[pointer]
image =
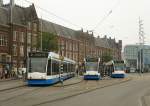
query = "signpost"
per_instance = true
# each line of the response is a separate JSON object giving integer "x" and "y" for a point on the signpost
{"x": 61, "y": 66}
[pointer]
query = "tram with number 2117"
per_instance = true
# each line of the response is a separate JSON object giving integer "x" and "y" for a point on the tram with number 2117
{"x": 91, "y": 65}
{"x": 44, "y": 68}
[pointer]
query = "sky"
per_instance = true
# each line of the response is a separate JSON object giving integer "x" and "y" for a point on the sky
{"x": 115, "y": 18}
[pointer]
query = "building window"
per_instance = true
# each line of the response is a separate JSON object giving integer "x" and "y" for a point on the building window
{"x": 29, "y": 25}
{"x": 34, "y": 27}
{"x": 29, "y": 38}
{"x": 34, "y": 39}
{"x": 14, "y": 50}
{"x": 15, "y": 36}
{"x": 3, "y": 40}
{"x": 22, "y": 37}
{"x": 28, "y": 49}
{"x": 21, "y": 51}
{"x": 70, "y": 48}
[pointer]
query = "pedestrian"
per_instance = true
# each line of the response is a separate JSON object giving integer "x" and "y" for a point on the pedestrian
{"x": 77, "y": 70}
{"x": 5, "y": 73}
{"x": 1, "y": 72}
{"x": 8, "y": 70}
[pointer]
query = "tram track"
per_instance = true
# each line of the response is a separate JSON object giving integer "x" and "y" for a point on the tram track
{"x": 8, "y": 80}
{"x": 49, "y": 94}
{"x": 22, "y": 91}
{"x": 18, "y": 91}
{"x": 7, "y": 89}
{"x": 84, "y": 90}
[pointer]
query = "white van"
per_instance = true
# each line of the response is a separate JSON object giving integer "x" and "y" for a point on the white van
{"x": 132, "y": 70}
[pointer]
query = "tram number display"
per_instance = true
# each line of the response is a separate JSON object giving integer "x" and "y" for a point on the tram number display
{"x": 38, "y": 54}
{"x": 118, "y": 62}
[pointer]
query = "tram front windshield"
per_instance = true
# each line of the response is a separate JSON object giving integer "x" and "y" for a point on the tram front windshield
{"x": 37, "y": 65}
{"x": 91, "y": 66}
{"x": 119, "y": 68}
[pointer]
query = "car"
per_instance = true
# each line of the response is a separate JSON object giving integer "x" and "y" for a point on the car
{"x": 132, "y": 70}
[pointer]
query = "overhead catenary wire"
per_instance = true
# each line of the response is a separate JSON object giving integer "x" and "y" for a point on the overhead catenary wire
{"x": 71, "y": 23}
{"x": 106, "y": 16}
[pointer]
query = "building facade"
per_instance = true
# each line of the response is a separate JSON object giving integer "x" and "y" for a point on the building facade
{"x": 79, "y": 44}
{"x": 20, "y": 29}
{"x": 134, "y": 55}
{"x": 18, "y": 33}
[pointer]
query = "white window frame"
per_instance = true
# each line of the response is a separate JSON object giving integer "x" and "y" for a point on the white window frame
{"x": 22, "y": 37}
{"x": 21, "y": 50}
{"x": 29, "y": 38}
{"x": 15, "y": 36}
{"x": 3, "y": 40}
{"x": 14, "y": 50}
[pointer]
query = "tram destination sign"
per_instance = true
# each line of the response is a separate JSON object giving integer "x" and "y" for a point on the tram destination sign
{"x": 91, "y": 59}
{"x": 38, "y": 54}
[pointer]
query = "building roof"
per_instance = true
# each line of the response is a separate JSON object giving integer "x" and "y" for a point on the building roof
{"x": 20, "y": 15}
{"x": 3, "y": 16}
{"x": 58, "y": 29}
{"x": 101, "y": 42}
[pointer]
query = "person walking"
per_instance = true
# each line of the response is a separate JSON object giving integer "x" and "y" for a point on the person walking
{"x": 77, "y": 70}
{"x": 1, "y": 70}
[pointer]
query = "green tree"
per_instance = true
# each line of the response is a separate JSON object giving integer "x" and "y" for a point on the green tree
{"x": 106, "y": 58}
{"x": 49, "y": 42}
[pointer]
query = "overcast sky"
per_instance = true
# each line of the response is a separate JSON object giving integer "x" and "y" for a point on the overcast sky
{"x": 121, "y": 23}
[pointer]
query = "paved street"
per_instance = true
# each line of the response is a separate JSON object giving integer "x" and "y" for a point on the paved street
{"x": 132, "y": 93}
{"x": 27, "y": 96}
{"x": 114, "y": 92}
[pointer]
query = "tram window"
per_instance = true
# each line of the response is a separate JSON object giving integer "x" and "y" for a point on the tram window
{"x": 68, "y": 67}
{"x": 71, "y": 67}
{"x": 55, "y": 67}
{"x": 30, "y": 68}
{"x": 65, "y": 67}
{"x": 49, "y": 67}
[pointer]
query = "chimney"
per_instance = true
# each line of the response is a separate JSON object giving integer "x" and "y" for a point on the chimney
{"x": 1, "y": 3}
{"x": 12, "y": 2}
{"x": 81, "y": 29}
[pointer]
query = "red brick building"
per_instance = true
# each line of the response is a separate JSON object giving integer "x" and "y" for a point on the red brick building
{"x": 78, "y": 44}
{"x": 18, "y": 33}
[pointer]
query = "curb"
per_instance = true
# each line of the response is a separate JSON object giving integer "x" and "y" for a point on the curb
{"x": 9, "y": 80}
{"x": 81, "y": 92}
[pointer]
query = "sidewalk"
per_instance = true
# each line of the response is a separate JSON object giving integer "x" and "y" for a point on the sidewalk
{"x": 8, "y": 79}
{"x": 10, "y": 84}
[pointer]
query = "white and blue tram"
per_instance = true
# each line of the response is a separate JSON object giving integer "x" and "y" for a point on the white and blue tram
{"x": 91, "y": 65}
{"x": 116, "y": 68}
{"x": 44, "y": 68}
